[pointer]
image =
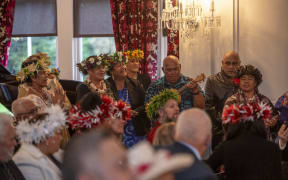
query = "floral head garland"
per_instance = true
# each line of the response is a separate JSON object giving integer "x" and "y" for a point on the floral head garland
{"x": 234, "y": 114}
{"x": 55, "y": 71}
{"x": 135, "y": 54}
{"x": 39, "y": 62}
{"x": 93, "y": 61}
{"x": 36, "y": 132}
{"x": 116, "y": 58}
{"x": 160, "y": 100}
{"x": 79, "y": 119}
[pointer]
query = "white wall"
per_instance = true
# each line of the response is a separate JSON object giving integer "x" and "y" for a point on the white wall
{"x": 263, "y": 42}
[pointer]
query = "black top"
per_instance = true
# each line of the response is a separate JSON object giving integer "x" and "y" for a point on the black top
{"x": 9, "y": 171}
{"x": 136, "y": 94}
{"x": 248, "y": 157}
{"x": 198, "y": 171}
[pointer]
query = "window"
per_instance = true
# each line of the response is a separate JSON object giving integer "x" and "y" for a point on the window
{"x": 93, "y": 29}
{"x": 34, "y": 30}
{"x": 22, "y": 47}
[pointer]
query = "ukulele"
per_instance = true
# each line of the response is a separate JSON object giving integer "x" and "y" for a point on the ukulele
{"x": 199, "y": 78}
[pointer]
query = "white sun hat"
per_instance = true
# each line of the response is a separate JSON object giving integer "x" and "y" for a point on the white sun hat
{"x": 148, "y": 164}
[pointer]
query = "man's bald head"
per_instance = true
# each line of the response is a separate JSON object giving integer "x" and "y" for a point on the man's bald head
{"x": 27, "y": 106}
{"x": 171, "y": 59}
{"x": 231, "y": 55}
{"x": 193, "y": 127}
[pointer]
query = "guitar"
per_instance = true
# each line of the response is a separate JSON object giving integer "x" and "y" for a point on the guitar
{"x": 199, "y": 78}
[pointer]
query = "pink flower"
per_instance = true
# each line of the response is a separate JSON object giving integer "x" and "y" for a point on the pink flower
{"x": 236, "y": 81}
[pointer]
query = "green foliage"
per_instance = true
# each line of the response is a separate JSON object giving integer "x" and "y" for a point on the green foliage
{"x": 159, "y": 101}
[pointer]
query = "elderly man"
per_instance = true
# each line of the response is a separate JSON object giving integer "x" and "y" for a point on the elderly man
{"x": 8, "y": 169}
{"x": 101, "y": 159}
{"x": 173, "y": 79}
{"x": 217, "y": 89}
{"x": 193, "y": 135}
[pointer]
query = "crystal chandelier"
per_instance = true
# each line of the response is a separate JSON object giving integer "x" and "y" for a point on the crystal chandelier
{"x": 187, "y": 16}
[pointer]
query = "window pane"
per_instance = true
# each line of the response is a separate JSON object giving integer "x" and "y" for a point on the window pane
{"x": 97, "y": 45}
{"x": 22, "y": 47}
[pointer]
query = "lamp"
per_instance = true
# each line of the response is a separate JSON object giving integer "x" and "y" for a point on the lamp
{"x": 187, "y": 16}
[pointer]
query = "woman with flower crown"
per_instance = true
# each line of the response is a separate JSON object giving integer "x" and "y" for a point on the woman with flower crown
{"x": 132, "y": 93}
{"x": 40, "y": 137}
{"x": 34, "y": 79}
{"x": 95, "y": 68}
{"x": 133, "y": 65}
{"x": 246, "y": 153}
{"x": 249, "y": 80}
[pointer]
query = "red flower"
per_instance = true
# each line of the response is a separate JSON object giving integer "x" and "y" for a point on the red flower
{"x": 236, "y": 81}
{"x": 231, "y": 114}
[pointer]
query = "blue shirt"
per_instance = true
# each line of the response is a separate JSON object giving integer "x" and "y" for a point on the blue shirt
{"x": 186, "y": 97}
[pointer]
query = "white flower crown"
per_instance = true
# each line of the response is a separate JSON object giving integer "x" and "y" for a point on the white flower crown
{"x": 39, "y": 131}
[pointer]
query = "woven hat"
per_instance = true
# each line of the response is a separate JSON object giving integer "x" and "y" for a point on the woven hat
{"x": 148, "y": 164}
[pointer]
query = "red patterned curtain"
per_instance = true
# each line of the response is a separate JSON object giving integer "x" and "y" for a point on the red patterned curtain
{"x": 135, "y": 27}
{"x": 6, "y": 24}
{"x": 173, "y": 40}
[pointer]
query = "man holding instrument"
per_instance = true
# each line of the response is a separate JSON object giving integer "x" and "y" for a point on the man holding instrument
{"x": 218, "y": 88}
{"x": 191, "y": 93}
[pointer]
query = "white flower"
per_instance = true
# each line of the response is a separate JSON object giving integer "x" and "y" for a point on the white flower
{"x": 91, "y": 60}
{"x": 98, "y": 63}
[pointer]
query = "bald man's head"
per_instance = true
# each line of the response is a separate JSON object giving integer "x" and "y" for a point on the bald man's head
{"x": 194, "y": 127}
{"x": 172, "y": 69}
{"x": 27, "y": 106}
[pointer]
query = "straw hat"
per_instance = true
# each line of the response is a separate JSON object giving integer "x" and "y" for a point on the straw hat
{"x": 147, "y": 164}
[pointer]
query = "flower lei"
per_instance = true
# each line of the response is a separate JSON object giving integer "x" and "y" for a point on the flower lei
{"x": 135, "y": 54}
{"x": 234, "y": 113}
{"x": 89, "y": 83}
{"x": 93, "y": 61}
{"x": 79, "y": 119}
{"x": 37, "y": 132}
{"x": 160, "y": 100}
{"x": 42, "y": 64}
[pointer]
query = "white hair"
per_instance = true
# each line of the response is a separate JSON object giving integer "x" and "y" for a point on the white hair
{"x": 5, "y": 119}
{"x": 193, "y": 125}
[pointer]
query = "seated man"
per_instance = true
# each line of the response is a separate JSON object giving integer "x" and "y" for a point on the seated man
{"x": 8, "y": 169}
{"x": 190, "y": 97}
{"x": 193, "y": 135}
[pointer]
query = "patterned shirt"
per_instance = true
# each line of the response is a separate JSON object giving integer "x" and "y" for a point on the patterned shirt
{"x": 186, "y": 96}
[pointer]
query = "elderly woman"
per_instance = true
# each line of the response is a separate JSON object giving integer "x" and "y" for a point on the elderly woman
{"x": 40, "y": 137}
{"x": 133, "y": 66}
{"x": 249, "y": 80}
{"x": 34, "y": 80}
{"x": 132, "y": 93}
{"x": 95, "y": 68}
{"x": 94, "y": 110}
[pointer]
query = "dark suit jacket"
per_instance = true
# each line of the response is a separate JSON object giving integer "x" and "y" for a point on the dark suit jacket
{"x": 248, "y": 157}
{"x": 198, "y": 171}
{"x": 137, "y": 95}
{"x": 144, "y": 80}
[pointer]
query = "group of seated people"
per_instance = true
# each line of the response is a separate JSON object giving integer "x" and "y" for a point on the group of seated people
{"x": 123, "y": 126}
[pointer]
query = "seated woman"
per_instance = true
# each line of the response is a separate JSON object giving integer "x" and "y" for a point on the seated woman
{"x": 40, "y": 138}
{"x": 246, "y": 153}
{"x": 164, "y": 135}
{"x": 250, "y": 78}
{"x": 132, "y": 93}
{"x": 133, "y": 66}
{"x": 34, "y": 79}
{"x": 95, "y": 68}
{"x": 161, "y": 109}
{"x": 94, "y": 110}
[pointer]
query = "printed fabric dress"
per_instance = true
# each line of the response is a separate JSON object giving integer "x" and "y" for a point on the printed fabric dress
{"x": 129, "y": 135}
